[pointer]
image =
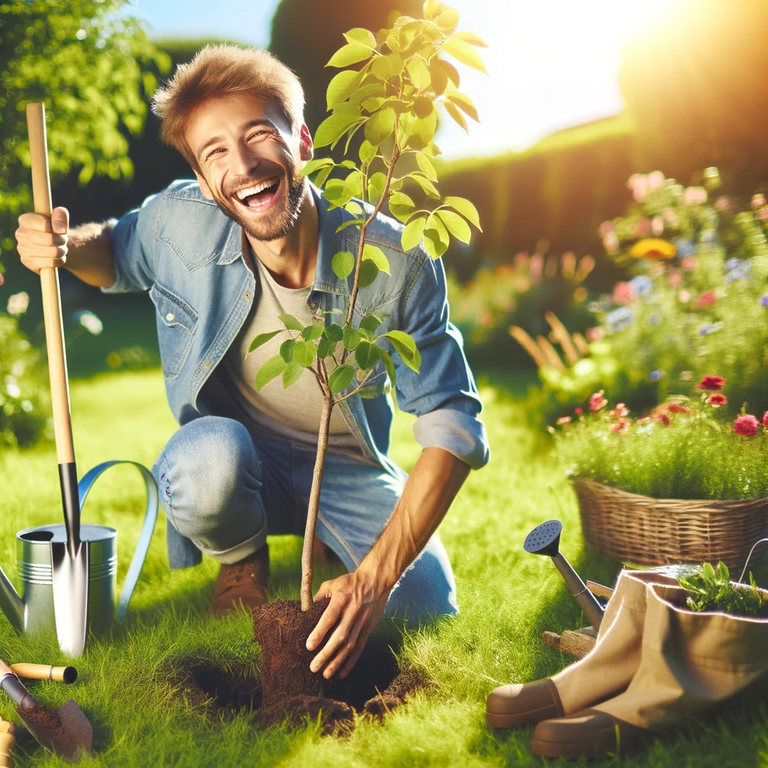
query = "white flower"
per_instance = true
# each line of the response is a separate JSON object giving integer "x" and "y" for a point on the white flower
{"x": 18, "y": 303}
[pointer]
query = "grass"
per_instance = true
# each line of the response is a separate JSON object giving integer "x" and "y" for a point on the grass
{"x": 127, "y": 683}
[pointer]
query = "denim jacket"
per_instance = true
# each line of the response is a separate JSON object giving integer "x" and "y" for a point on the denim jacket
{"x": 182, "y": 249}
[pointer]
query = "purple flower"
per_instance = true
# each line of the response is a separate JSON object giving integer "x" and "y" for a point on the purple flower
{"x": 655, "y": 375}
{"x": 764, "y": 300}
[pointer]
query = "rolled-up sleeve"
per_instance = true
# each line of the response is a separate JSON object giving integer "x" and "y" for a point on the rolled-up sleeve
{"x": 131, "y": 242}
{"x": 443, "y": 395}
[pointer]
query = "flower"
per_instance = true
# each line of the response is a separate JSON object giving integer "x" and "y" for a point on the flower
{"x": 677, "y": 408}
{"x": 684, "y": 297}
{"x": 18, "y": 303}
{"x": 764, "y": 300}
{"x": 706, "y": 299}
{"x": 765, "y": 419}
{"x": 695, "y": 195}
{"x": 597, "y": 401}
{"x": 653, "y": 248}
{"x": 578, "y": 411}
{"x": 621, "y": 426}
{"x": 641, "y": 285}
{"x": 711, "y": 383}
{"x": 619, "y": 411}
{"x": 594, "y": 334}
{"x": 717, "y": 400}
{"x": 675, "y": 278}
{"x": 688, "y": 263}
{"x": 610, "y": 242}
{"x": 655, "y": 375}
{"x": 623, "y": 294}
{"x": 746, "y": 425}
{"x": 564, "y": 420}
{"x": 758, "y": 201}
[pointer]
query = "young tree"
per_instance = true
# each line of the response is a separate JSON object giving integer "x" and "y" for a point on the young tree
{"x": 402, "y": 75}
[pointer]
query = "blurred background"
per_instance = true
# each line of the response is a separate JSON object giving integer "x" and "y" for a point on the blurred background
{"x": 579, "y": 100}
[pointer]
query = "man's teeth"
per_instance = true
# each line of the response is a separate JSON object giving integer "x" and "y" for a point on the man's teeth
{"x": 255, "y": 189}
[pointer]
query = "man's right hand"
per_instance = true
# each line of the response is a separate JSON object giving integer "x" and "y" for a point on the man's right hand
{"x": 42, "y": 240}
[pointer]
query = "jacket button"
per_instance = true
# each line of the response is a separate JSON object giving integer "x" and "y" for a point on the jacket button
{"x": 313, "y": 305}
{"x": 247, "y": 296}
{"x": 208, "y": 364}
{"x": 170, "y": 316}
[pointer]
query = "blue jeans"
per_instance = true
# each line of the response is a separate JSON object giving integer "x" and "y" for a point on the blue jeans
{"x": 223, "y": 490}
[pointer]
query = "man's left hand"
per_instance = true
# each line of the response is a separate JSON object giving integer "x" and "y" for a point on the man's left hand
{"x": 357, "y": 604}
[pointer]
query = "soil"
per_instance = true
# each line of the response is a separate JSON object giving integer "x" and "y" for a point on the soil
{"x": 374, "y": 687}
{"x": 47, "y": 727}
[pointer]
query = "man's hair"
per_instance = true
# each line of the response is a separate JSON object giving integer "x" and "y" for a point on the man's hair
{"x": 219, "y": 71}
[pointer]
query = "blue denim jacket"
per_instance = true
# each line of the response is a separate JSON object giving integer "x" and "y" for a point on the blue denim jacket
{"x": 182, "y": 249}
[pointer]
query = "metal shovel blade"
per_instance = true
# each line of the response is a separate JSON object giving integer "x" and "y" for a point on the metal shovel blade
{"x": 70, "y": 595}
{"x": 65, "y": 731}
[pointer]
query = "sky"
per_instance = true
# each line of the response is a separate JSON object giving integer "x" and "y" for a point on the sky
{"x": 551, "y": 64}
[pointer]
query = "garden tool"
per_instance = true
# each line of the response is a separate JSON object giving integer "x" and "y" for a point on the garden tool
{"x": 689, "y": 661}
{"x": 65, "y": 731}
{"x": 45, "y": 672}
{"x": 604, "y": 672}
{"x": 544, "y": 539}
{"x": 7, "y": 740}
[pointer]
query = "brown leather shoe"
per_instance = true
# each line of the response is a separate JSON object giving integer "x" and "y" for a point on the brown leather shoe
{"x": 511, "y": 706}
{"x": 589, "y": 733}
{"x": 242, "y": 584}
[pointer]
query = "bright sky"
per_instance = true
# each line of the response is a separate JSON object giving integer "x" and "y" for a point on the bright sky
{"x": 552, "y": 64}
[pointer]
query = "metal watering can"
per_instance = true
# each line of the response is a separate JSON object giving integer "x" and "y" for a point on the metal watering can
{"x": 32, "y": 611}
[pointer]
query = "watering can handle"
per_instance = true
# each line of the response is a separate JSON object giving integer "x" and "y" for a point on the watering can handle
{"x": 150, "y": 517}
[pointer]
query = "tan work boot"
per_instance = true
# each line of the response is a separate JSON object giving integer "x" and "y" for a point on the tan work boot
{"x": 242, "y": 584}
{"x": 605, "y": 672}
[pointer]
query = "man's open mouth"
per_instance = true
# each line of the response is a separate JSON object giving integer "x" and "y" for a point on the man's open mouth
{"x": 258, "y": 195}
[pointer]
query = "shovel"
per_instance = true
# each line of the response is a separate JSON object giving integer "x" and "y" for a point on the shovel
{"x": 65, "y": 731}
{"x": 70, "y": 558}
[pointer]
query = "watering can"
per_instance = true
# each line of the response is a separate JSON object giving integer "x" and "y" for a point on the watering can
{"x": 32, "y": 611}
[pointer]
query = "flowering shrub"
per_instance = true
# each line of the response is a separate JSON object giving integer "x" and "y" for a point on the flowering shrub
{"x": 684, "y": 448}
{"x": 696, "y": 298}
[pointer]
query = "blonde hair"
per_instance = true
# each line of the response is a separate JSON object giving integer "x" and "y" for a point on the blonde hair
{"x": 218, "y": 71}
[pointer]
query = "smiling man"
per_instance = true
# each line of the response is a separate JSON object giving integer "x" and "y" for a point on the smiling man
{"x": 221, "y": 258}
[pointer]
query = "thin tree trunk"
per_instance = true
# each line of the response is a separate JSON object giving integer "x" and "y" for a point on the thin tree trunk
{"x": 314, "y": 502}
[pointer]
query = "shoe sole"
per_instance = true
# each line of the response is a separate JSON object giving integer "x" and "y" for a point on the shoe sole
{"x": 519, "y": 719}
{"x": 568, "y": 750}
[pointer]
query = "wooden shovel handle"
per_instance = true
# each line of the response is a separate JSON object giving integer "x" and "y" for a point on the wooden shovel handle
{"x": 7, "y": 740}
{"x": 49, "y": 278}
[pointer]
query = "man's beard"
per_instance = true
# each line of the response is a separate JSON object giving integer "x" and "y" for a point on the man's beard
{"x": 279, "y": 220}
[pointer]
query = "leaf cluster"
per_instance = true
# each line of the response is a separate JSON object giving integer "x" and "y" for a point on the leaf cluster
{"x": 712, "y": 590}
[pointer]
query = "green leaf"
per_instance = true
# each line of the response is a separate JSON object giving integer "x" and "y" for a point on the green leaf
{"x": 352, "y": 338}
{"x": 423, "y": 127}
{"x": 350, "y": 223}
{"x": 452, "y": 110}
{"x": 350, "y": 53}
{"x": 367, "y": 355}
{"x": 465, "y": 208}
{"x": 455, "y": 225}
{"x": 290, "y": 322}
{"x": 376, "y": 186}
{"x": 341, "y": 87}
{"x": 304, "y": 353}
{"x": 405, "y": 346}
{"x": 341, "y": 378}
{"x": 369, "y": 271}
{"x": 312, "y": 332}
{"x": 271, "y": 368}
{"x": 432, "y": 9}
{"x": 324, "y": 347}
{"x": 465, "y": 104}
{"x": 401, "y": 206}
{"x": 389, "y": 366}
{"x": 365, "y": 92}
{"x": 386, "y": 67}
{"x": 450, "y": 71}
{"x": 377, "y": 256}
{"x": 367, "y": 151}
{"x": 292, "y": 374}
{"x": 313, "y": 165}
{"x": 343, "y": 263}
{"x": 362, "y": 36}
{"x": 464, "y": 53}
{"x": 334, "y": 332}
{"x": 418, "y": 71}
{"x": 338, "y": 192}
{"x": 447, "y": 20}
{"x": 425, "y": 184}
{"x": 471, "y": 38}
{"x": 286, "y": 350}
{"x": 354, "y": 208}
{"x": 426, "y": 166}
{"x": 413, "y": 232}
{"x": 333, "y": 128}
{"x": 436, "y": 238}
{"x": 380, "y": 126}
{"x": 438, "y": 76}
{"x": 369, "y": 324}
{"x": 262, "y": 338}
{"x": 323, "y": 175}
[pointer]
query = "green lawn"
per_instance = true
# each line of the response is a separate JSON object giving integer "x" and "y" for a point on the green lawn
{"x": 129, "y": 685}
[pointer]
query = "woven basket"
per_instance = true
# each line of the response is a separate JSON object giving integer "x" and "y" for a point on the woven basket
{"x": 646, "y": 531}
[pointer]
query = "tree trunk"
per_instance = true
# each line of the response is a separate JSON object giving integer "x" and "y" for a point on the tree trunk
{"x": 314, "y": 502}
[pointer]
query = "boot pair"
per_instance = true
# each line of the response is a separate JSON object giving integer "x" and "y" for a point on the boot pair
{"x": 654, "y": 663}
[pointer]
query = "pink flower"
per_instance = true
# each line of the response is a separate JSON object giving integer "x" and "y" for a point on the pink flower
{"x": 605, "y": 228}
{"x": 594, "y": 334}
{"x": 619, "y": 411}
{"x": 746, "y": 425}
{"x": 765, "y": 418}
{"x": 684, "y": 297}
{"x": 623, "y": 294}
{"x": 638, "y": 184}
{"x": 758, "y": 201}
{"x": 564, "y": 420}
{"x": 610, "y": 242}
{"x": 536, "y": 264}
{"x": 663, "y": 418}
{"x": 621, "y": 426}
{"x": 578, "y": 411}
{"x": 711, "y": 383}
{"x": 597, "y": 402}
{"x": 695, "y": 195}
{"x": 689, "y": 262}
{"x": 655, "y": 180}
{"x": 723, "y": 204}
{"x": 657, "y": 225}
{"x": 706, "y": 299}
{"x": 642, "y": 227}
{"x": 677, "y": 408}
{"x": 675, "y": 278}
{"x": 717, "y": 400}
{"x": 644, "y": 420}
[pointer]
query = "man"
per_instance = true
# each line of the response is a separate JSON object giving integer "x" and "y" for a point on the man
{"x": 221, "y": 259}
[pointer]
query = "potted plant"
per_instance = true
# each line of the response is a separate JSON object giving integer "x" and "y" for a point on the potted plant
{"x": 684, "y": 483}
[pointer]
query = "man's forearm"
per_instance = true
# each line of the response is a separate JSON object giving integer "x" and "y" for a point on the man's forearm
{"x": 428, "y": 493}
{"x": 89, "y": 255}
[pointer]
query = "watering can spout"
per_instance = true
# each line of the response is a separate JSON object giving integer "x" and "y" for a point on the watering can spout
{"x": 10, "y": 602}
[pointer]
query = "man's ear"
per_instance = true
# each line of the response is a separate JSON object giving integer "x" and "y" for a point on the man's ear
{"x": 204, "y": 188}
{"x": 305, "y": 144}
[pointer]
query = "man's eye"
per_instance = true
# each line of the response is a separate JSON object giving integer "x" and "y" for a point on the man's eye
{"x": 213, "y": 152}
{"x": 257, "y": 134}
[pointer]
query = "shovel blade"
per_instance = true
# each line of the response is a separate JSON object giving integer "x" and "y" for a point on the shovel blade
{"x": 65, "y": 731}
{"x": 70, "y": 595}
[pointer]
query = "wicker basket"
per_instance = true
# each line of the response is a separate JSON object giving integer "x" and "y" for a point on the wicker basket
{"x": 646, "y": 531}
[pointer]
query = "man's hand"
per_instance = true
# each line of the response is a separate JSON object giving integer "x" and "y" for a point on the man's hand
{"x": 42, "y": 240}
{"x": 357, "y": 604}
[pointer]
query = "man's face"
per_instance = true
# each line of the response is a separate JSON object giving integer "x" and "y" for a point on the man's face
{"x": 249, "y": 163}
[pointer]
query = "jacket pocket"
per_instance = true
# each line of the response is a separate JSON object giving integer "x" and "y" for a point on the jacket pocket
{"x": 176, "y": 324}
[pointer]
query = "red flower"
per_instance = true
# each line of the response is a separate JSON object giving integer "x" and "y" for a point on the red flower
{"x": 578, "y": 411}
{"x": 676, "y": 408}
{"x": 644, "y": 420}
{"x": 711, "y": 383}
{"x": 619, "y": 411}
{"x": 621, "y": 426}
{"x": 765, "y": 419}
{"x": 563, "y": 420}
{"x": 718, "y": 400}
{"x": 663, "y": 418}
{"x": 597, "y": 401}
{"x": 706, "y": 299}
{"x": 746, "y": 425}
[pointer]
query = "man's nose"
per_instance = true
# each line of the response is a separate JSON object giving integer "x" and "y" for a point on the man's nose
{"x": 244, "y": 160}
